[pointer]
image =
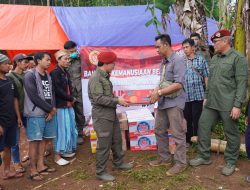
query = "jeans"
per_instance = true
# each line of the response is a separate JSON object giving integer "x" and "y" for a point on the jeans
{"x": 15, "y": 155}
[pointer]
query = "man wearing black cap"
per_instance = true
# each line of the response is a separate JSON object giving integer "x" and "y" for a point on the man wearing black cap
{"x": 9, "y": 116}
{"x": 105, "y": 121}
{"x": 227, "y": 85}
{"x": 20, "y": 64}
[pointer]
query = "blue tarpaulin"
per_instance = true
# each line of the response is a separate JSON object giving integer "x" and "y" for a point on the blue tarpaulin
{"x": 115, "y": 26}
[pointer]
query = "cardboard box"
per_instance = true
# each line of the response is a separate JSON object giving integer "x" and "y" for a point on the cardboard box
{"x": 143, "y": 127}
{"x": 123, "y": 120}
{"x": 146, "y": 142}
{"x": 137, "y": 96}
{"x": 140, "y": 122}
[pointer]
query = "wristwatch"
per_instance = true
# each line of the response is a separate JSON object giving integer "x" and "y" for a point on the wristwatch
{"x": 159, "y": 92}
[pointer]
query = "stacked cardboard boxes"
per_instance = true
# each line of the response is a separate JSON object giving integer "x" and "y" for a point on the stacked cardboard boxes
{"x": 141, "y": 129}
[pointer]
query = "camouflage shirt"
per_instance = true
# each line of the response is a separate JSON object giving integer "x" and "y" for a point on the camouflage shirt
{"x": 100, "y": 91}
{"x": 76, "y": 78}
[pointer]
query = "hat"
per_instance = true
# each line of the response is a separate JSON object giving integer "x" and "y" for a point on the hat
{"x": 107, "y": 57}
{"x": 3, "y": 59}
{"x": 220, "y": 34}
{"x": 60, "y": 53}
{"x": 21, "y": 56}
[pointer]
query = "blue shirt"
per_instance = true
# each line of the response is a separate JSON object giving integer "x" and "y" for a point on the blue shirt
{"x": 196, "y": 70}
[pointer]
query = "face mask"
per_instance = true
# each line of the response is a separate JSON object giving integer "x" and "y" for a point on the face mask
{"x": 74, "y": 55}
{"x": 196, "y": 43}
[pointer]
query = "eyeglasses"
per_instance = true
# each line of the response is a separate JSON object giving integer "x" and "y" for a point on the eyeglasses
{"x": 215, "y": 41}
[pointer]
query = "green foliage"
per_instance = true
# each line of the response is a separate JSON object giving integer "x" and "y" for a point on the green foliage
{"x": 164, "y": 5}
{"x": 154, "y": 19}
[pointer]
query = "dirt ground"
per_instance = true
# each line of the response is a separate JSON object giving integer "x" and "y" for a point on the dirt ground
{"x": 80, "y": 175}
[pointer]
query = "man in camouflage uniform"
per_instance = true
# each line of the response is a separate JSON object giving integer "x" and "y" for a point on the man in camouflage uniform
{"x": 105, "y": 122}
{"x": 227, "y": 84}
{"x": 200, "y": 50}
{"x": 75, "y": 77}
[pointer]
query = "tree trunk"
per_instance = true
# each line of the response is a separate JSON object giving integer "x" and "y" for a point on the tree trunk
{"x": 191, "y": 17}
{"x": 239, "y": 43}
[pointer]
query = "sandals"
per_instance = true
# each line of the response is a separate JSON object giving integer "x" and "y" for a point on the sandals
{"x": 46, "y": 153}
{"x": 19, "y": 168}
{"x": 36, "y": 177}
{"x": 16, "y": 175}
{"x": 47, "y": 171}
{"x": 25, "y": 158}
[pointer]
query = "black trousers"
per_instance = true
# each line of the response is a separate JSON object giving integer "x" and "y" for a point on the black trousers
{"x": 192, "y": 113}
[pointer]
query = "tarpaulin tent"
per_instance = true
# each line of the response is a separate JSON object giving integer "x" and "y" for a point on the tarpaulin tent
{"x": 36, "y": 28}
{"x": 47, "y": 28}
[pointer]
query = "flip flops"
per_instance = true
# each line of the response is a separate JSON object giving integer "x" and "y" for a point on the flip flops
{"x": 19, "y": 168}
{"x": 16, "y": 175}
{"x": 47, "y": 171}
{"x": 25, "y": 158}
{"x": 34, "y": 177}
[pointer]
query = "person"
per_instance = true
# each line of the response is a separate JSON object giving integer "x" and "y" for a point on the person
{"x": 171, "y": 102}
{"x": 66, "y": 136}
{"x": 32, "y": 63}
{"x": 39, "y": 108}
{"x": 105, "y": 121}
{"x": 227, "y": 85}
{"x": 20, "y": 65}
{"x": 196, "y": 73}
{"x": 76, "y": 78}
{"x": 9, "y": 117}
{"x": 199, "y": 48}
{"x": 247, "y": 135}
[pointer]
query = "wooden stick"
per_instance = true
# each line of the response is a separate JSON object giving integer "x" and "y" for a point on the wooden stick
{"x": 47, "y": 182}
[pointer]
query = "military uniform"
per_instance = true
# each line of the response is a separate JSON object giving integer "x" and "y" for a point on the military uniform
{"x": 105, "y": 122}
{"x": 227, "y": 86}
{"x": 204, "y": 52}
{"x": 75, "y": 76}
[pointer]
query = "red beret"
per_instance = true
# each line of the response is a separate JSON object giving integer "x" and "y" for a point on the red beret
{"x": 220, "y": 34}
{"x": 107, "y": 57}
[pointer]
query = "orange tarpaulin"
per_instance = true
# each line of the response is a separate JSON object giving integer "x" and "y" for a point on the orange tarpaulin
{"x": 30, "y": 28}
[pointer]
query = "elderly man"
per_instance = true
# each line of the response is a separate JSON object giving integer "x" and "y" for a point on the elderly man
{"x": 171, "y": 101}
{"x": 105, "y": 120}
{"x": 227, "y": 84}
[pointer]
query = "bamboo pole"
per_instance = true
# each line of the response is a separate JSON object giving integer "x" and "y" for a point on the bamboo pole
{"x": 218, "y": 145}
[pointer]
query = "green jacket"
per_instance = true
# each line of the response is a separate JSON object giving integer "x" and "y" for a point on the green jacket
{"x": 100, "y": 91}
{"x": 18, "y": 79}
{"x": 76, "y": 80}
{"x": 227, "y": 81}
{"x": 204, "y": 52}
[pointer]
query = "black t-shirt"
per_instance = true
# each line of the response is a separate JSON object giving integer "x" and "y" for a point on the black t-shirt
{"x": 46, "y": 88}
{"x": 8, "y": 92}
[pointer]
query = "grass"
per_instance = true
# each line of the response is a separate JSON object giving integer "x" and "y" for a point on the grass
{"x": 196, "y": 187}
{"x": 79, "y": 174}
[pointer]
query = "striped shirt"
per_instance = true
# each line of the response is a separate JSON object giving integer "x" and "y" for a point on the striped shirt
{"x": 196, "y": 71}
